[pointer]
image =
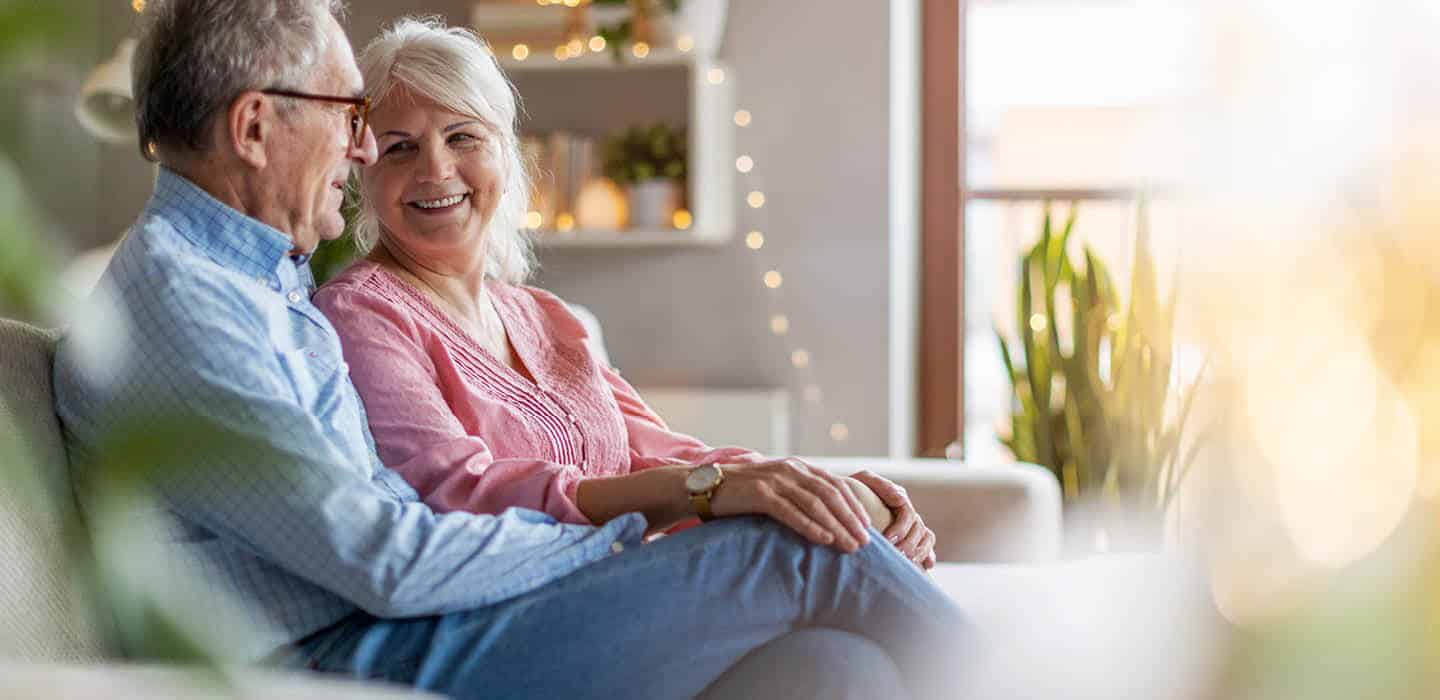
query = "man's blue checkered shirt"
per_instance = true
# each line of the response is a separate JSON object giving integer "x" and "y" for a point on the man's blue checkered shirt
{"x": 304, "y": 524}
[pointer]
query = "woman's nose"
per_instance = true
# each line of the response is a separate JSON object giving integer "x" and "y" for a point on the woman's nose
{"x": 436, "y": 164}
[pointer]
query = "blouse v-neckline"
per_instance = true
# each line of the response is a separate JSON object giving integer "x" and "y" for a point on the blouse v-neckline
{"x": 524, "y": 374}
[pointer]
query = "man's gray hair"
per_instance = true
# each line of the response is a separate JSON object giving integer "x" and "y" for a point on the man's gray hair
{"x": 452, "y": 67}
{"x": 196, "y": 56}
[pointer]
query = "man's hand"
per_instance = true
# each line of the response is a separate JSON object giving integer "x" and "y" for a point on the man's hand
{"x": 908, "y": 533}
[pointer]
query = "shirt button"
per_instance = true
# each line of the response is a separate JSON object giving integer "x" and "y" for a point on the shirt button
{"x": 294, "y": 296}
{"x": 345, "y": 367}
{"x": 313, "y": 354}
{"x": 617, "y": 547}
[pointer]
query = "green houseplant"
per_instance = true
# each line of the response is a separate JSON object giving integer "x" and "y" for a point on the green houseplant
{"x": 650, "y": 162}
{"x": 1097, "y": 405}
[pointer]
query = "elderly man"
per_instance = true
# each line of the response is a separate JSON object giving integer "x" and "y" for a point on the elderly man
{"x": 255, "y": 110}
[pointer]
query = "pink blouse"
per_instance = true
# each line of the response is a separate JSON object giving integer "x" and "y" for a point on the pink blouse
{"x": 471, "y": 433}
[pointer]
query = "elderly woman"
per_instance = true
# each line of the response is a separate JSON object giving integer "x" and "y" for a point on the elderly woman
{"x": 481, "y": 391}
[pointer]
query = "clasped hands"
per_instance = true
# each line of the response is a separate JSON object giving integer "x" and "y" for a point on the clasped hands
{"x": 825, "y": 508}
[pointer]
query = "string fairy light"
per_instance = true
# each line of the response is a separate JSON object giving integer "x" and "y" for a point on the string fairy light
{"x": 800, "y": 358}
{"x": 779, "y": 324}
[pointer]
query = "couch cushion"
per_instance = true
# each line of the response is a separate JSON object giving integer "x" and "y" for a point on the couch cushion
{"x": 40, "y": 616}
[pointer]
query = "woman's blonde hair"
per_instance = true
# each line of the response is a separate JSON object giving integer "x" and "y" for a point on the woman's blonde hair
{"x": 452, "y": 67}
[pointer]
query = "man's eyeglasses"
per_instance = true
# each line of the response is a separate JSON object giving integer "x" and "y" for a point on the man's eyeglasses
{"x": 359, "y": 110}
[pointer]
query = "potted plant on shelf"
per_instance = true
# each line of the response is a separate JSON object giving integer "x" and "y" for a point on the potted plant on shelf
{"x": 650, "y": 162}
{"x": 1097, "y": 400}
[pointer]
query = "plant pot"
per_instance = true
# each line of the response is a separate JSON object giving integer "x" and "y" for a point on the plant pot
{"x": 652, "y": 203}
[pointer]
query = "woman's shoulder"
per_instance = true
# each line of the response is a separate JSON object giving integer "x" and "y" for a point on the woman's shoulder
{"x": 360, "y": 294}
{"x": 543, "y": 308}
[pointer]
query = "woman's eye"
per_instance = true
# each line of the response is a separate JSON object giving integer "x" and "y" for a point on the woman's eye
{"x": 464, "y": 139}
{"x": 399, "y": 147}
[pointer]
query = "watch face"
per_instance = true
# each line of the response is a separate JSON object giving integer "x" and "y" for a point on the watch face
{"x": 702, "y": 479}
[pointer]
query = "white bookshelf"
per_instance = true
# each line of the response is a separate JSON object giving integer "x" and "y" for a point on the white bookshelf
{"x": 632, "y": 238}
{"x": 709, "y": 112}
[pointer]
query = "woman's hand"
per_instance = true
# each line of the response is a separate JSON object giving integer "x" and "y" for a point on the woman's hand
{"x": 811, "y": 501}
{"x": 908, "y": 533}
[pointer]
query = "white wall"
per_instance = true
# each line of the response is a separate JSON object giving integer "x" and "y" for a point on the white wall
{"x": 815, "y": 75}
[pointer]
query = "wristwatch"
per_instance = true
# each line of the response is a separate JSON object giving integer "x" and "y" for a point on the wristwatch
{"x": 701, "y": 482}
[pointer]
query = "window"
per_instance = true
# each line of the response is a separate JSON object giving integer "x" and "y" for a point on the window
{"x": 1063, "y": 101}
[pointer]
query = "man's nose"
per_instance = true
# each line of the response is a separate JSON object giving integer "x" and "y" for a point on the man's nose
{"x": 366, "y": 153}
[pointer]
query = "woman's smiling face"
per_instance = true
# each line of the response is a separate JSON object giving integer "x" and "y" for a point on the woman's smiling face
{"x": 438, "y": 178}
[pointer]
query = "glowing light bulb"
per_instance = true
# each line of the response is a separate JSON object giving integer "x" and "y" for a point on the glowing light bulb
{"x": 715, "y": 76}
{"x": 744, "y": 164}
{"x": 520, "y": 52}
{"x": 755, "y": 199}
{"x": 597, "y": 43}
{"x": 839, "y": 432}
{"x": 779, "y": 325}
{"x": 640, "y": 49}
{"x": 800, "y": 358}
{"x": 682, "y": 219}
{"x": 1038, "y": 323}
{"x": 533, "y": 220}
{"x": 742, "y": 117}
{"x": 755, "y": 240}
{"x": 684, "y": 43}
{"x": 773, "y": 279}
{"x": 564, "y": 221}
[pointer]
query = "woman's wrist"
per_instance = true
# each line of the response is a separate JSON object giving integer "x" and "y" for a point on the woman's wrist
{"x": 658, "y": 493}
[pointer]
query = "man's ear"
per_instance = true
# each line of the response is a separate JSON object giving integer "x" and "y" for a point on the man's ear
{"x": 249, "y": 124}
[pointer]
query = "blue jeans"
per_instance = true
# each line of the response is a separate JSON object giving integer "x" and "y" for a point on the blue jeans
{"x": 667, "y": 619}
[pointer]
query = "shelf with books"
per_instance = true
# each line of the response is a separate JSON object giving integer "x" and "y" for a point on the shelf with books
{"x": 569, "y": 117}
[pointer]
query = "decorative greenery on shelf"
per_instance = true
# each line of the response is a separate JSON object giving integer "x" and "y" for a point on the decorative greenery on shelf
{"x": 618, "y": 34}
{"x": 641, "y": 153}
{"x": 1092, "y": 407}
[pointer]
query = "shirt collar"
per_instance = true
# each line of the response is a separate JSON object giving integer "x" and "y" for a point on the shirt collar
{"x": 227, "y": 236}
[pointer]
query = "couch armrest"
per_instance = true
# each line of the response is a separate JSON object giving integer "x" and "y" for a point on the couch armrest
{"x": 997, "y": 513}
{"x": 124, "y": 681}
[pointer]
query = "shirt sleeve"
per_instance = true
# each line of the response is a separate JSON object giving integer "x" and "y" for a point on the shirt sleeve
{"x": 256, "y": 467}
{"x": 654, "y": 444}
{"x": 416, "y": 432}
